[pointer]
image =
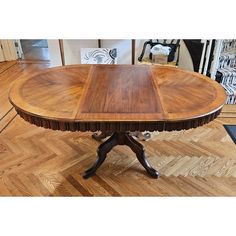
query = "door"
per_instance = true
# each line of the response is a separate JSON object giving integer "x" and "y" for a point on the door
{"x": 2, "y": 57}
{"x": 9, "y": 50}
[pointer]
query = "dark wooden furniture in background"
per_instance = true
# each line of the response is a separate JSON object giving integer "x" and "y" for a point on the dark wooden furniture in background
{"x": 133, "y": 51}
{"x": 117, "y": 99}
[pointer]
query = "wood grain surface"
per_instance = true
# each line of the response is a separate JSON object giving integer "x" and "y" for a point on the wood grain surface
{"x": 117, "y": 98}
{"x": 38, "y": 162}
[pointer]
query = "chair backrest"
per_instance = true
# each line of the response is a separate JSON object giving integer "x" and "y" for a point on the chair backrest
{"x": 174, "y": 44}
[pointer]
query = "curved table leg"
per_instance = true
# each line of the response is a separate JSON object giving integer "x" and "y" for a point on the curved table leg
{"x": 138, "y": 149}
{"x": 121, "y": 138}
{"x": 102, "y": 151}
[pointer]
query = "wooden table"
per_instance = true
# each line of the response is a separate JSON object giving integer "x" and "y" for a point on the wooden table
{"x": 117, "y": 99}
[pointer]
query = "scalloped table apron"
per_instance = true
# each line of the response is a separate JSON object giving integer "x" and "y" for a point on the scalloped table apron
{"x": 117, "y": 99}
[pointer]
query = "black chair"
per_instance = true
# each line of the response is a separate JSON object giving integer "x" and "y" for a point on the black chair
{"x": 174, "y": 44}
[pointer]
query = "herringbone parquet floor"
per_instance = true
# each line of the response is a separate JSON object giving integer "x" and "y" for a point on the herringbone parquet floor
{"x": 39, "y": 162}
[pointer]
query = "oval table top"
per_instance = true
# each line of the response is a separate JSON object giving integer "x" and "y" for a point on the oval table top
{"x": 117, "y": 98}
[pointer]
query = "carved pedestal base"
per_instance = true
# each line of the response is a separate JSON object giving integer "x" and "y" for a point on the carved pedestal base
{"x": 101, "y": 136}
{"x": 121, "y": 138}
{"x": 139, "y": 135}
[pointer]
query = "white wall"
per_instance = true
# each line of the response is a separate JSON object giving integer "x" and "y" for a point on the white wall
{"x": 72, "y": 51}
{"x": 185, "y": 60}
{"x": 54, "y": 52}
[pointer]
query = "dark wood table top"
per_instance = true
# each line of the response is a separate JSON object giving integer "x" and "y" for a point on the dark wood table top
{"x": 117, "y": 98}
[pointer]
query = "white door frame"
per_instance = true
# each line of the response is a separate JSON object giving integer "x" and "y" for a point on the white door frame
{"x": 9, "y": 50}
{"x": 215, "y": 63}
{"x": 2, "y": 57}
{"x": 207, "y": 57}
{"x": 18, "y": 48}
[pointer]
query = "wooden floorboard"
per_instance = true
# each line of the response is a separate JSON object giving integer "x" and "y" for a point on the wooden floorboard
{"x": 6, "y": 65}
{"x": 7, "y": 119}
{"x": 40, "y": 162}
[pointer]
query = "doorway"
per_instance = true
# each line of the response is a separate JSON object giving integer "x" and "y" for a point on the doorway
{"x": 34, "y": 49}
{"x": 2, "y": 57}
